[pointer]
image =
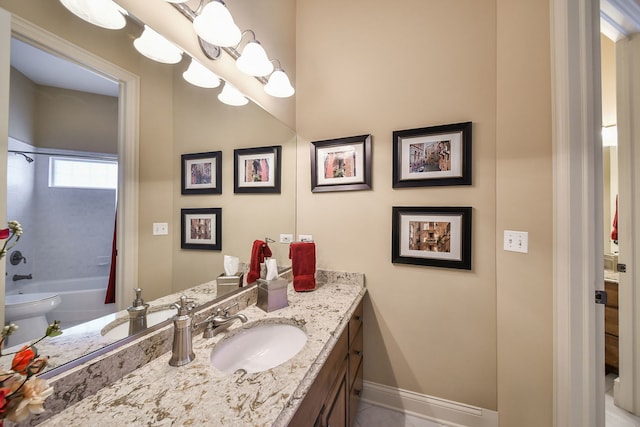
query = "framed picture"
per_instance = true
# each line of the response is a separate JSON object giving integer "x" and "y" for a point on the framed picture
{"x": 341, "y": 164}
{"x": 202, "y": 229}
{"x": 438, "y": 155}
{"x": 433, "y": 236}
{"x": 202, "y": 173}
{"x": 257, "y": 170}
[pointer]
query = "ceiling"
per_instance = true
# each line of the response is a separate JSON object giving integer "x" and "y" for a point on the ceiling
{"x": 619, "y": 18}
{"x": 46, "y": 69}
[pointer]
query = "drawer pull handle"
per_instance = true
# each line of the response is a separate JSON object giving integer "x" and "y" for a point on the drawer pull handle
{"x": 357, "y": 352}
{"x": 357, "y": 393}
{"x": 357, "y": 317}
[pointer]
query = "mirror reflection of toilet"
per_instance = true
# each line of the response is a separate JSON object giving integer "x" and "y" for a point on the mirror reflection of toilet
{"x": 28, "y": 311}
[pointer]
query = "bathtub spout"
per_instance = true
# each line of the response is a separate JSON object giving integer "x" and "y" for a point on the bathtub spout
{"x": 17, "y": 277}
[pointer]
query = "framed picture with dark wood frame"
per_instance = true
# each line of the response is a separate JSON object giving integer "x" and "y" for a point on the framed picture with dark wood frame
{"x": 202, "y": 173}
{"x": 257, "y": 170}
{"x": 342, "y": 164}
{"x": 432, "y": 156}
{"x": 201, "y": 228}
{"x": 432, "y": 236}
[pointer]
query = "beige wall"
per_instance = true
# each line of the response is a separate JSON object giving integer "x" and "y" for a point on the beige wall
{"x": 22, "y": 108}
{"x": 524, "y": 202}
{"x": 76, "y": 120}
{"x": 482, "y": 337}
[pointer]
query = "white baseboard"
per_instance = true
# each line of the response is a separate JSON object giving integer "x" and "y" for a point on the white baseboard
{"x": 434, "y": 409}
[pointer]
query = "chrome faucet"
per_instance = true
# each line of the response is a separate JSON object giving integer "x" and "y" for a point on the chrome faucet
{"x": 181, "y": 350}
{"x": 17, "y": 277}
{"x": 220, "y": 321}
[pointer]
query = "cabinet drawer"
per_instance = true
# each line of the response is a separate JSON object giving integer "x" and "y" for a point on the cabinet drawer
{"x": 611, "y": 351}
{"x": 612, "y": 293}
{"x": 355, "y": 323}
{"x": 611, "y": 321}
{"x": 355, "y": 356}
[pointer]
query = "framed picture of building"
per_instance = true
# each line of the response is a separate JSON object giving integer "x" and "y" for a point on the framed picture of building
{"x": 201, "y": 229}
{"x": 432, "y": 156}
{"x": 432, "y": 236}
{"x": 202, "y": 173}
{"x": 257, "y": 170}
{"x": 342, "y": 164}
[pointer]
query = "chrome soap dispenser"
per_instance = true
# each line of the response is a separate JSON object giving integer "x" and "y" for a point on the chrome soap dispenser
{"x": 182, "y": 351}
{"x": 137, "y": 314}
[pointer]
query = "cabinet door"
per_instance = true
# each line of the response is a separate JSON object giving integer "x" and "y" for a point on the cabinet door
{"x": 337, "y": 402}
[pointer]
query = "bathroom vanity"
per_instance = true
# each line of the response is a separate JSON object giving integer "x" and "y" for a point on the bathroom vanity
{"x": 611, "y": 324}
{"x": 322, "y": 382}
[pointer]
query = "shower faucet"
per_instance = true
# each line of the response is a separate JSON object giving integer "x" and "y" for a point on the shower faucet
{"x": 16, "y": 257}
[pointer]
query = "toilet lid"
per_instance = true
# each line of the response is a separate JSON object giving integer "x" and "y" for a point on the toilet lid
{"x": 18, "y": 299}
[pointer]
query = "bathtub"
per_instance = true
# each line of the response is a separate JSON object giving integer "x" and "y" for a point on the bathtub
{"x": 82, "y": 299}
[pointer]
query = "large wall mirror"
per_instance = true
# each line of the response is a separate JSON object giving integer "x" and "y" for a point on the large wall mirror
{"x": 145, "y": 120}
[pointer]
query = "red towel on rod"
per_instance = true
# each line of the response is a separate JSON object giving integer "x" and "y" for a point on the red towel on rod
{"x": 303, "y": 264}
{"x": 259, "y": 252}
{"x": 614, "y": 232}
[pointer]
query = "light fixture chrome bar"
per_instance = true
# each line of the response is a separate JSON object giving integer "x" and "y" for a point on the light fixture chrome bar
{"x": 207, "y": 48}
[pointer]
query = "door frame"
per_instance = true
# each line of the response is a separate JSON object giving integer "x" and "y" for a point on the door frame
{"x": 128, "y": 122}
{"x": 578, "y": 241}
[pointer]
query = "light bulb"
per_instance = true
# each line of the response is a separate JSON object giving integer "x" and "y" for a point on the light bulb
{"x": 103, "y": 13}
{"x": 232, "y": 96}
{"x": 254, "y": 60}
{"x": 198, "y": 75}
{"x": 154, "y": 46}
{"x": 279, "y": 85}
{"x": 216, "y": 26}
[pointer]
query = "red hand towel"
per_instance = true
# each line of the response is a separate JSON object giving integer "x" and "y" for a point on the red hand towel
{"x": 614, "y": 232}
{"x": 259, "y": 251}
{"x": 303, "y": 264}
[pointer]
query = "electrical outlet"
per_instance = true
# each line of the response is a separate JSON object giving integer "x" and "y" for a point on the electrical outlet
{"x": 160, "y": 228}
{"x": 305, "y": 237}
{"x": 516, "y": 241}
{"x": 286, "y": 238}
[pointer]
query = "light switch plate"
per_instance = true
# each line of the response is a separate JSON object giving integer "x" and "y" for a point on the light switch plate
{"x": 160, "y": 228}
{"x": 516, "y": 241}
{"x": 305, "y": 237}
{"x": 286, "y": 238}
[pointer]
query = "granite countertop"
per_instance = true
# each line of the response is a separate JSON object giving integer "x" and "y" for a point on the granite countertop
{"x": 198, "y": 394}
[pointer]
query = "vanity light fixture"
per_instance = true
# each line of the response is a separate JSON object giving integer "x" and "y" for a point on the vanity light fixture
{"x": 199, "y": 75}
{"x": 216, "y": 25}
{"x": 232, "y": 96}
{"x": 103, "y": 13}
{"x": 253, "y": 60}
{"x": 154, "y": 46}
{"x": 279, "y": 85}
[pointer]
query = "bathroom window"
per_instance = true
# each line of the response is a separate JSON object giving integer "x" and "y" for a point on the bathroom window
{"x": 68, "y": 172}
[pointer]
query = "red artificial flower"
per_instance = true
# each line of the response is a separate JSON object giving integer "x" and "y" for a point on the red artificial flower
{"x": 22, "y": 359}
{"x": 4, "y": 234}
{"x": 4, "y": 392}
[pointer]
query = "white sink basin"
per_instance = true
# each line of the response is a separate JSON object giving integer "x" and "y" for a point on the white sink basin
{"x": 258, "y": 348}
{"x": 122, "y": 329}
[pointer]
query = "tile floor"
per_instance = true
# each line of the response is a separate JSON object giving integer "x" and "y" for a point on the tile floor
{"x": 375, "y": 416}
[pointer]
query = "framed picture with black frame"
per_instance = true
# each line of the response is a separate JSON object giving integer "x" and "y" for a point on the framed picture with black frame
{"x": 432, "y": 236}
{"x": 342, "y": 164}
{"x": 257, "y": 170}
{"x": 432, "y": 156}
{"x": 201, "y": 228}
{"x": 202, "y": 173}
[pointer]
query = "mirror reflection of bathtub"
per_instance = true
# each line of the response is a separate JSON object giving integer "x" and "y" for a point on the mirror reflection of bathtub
{"x": 81, "y": 300}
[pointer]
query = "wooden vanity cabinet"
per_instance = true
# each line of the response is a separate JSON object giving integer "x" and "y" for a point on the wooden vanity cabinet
{"x": 611, "y": 328}
{"x": 332, "y": 400}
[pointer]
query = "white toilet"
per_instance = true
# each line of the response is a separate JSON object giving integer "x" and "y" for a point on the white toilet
{"x": 28, "y": 312}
